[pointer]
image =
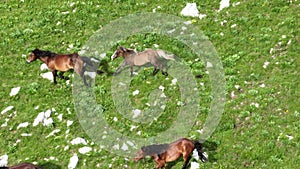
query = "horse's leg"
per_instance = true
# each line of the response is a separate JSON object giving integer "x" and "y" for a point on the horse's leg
{"x": 186, "y": 158}
{"x": 160, "y": 163}
{"x": 54, "y": 72}
{"x": 80, "y": 71}
{"x": 162, "y": 70}
{"x": 155, "y": 70}
{"x": 131, "y": 70}
{"x": 61, "y": 75}
{"x": 120, "y": 67}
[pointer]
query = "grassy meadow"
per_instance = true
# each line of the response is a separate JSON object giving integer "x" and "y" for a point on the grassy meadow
{"x": 258, "y": 43}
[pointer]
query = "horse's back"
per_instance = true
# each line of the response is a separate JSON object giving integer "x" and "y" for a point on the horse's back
{"x": 64, "y": 62}
{"x": 148, "y": 55}
{"x": 24, "y": 166}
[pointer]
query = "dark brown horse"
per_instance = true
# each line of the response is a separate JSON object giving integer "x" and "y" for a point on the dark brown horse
{"x": 23, "y": 166}
{"x": 170, "y": 152}
{"x": 61, "y": 62}
{"x": 133, "y": 58}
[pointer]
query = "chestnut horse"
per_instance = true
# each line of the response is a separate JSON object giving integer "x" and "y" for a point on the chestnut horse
{"x": 133, "y": 58}
{"x": 170, "y": 152}
{"x": 23, "y": 166}
{"x": 61, "y": 62}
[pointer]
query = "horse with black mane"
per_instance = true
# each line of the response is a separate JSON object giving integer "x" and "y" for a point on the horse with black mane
{"x": 163, "y": 153}
{"x": 62, "y": 62}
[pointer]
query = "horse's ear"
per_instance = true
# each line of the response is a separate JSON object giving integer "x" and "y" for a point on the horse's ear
{"x": 36, "y": 50}
{"x": 143, "y": 148}
{"x": 122, "y": 48}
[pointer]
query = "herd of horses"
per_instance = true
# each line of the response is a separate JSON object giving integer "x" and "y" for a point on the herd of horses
{"x": 161, "y": 153}
{"x": 64, "y": 62}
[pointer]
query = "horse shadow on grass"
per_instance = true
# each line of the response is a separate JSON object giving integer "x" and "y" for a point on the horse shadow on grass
{"x": 50, "y": 165}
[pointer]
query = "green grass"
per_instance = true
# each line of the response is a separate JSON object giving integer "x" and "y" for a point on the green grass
{"x": 247, "y": 136}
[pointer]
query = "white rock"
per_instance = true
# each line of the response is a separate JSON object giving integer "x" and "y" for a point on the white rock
{"x": 289, "y": 137}
{"x": 14, "y": 91}
{"x": 66, "y": 148}
{"x": 84, "y": 150}
{"x": 136, "y": 113}
{"x": 53, "y": 132}
{"x": 136, "y": 92}
{"x": 3, "y": 160}
{"x": 47, "y": 113}
{"x": 133, "y": 127}
{"x": 22, "y": 125}
{"x": 195, "y": 165}
{"x": 224, "y": 4}
{"x": 208, "y": 64}
{"x": 26, "y": 134}
{"x": 236, "y": 4}
{"x": 60, "y": 116}
{"x": 43, "y": 67}
{"x": 39, "y": 118}
{"x": 7, "y": 109}
{"x": 266, "y": 64}
{"x": 73, "y": 162}
{"x": 233, "y": 26}
{"x": 69, "y": 111}
{"x": 130, "y": 143}
{"x": 116, "y": 147}
{"x": 78, "y": 140}
{"x": 174, "y": 81}
{"x": 163, "y": 95}
{"x": 48, "y": 122}
{"x": 47, "y": 75}
{"x": 69, "y": 123}
{"x": 190, "y": 10}
{"x": 262, "y": 85}
{"x": 115, "y": 119}
{"x": 161, "y": 88}
{"x": 124, "y": 147}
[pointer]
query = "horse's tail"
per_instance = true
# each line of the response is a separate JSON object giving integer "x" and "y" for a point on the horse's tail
{"x": 163, "y": 54}
{"x": 202, "y": 155}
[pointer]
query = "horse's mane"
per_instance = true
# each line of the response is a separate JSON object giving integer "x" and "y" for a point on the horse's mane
{"x": 131, "y": 50}
{"x": 41, "y": 53}
{"x": 155, "y": 149}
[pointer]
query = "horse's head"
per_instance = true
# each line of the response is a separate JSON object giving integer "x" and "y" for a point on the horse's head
{"x": 119, "y": 52}
{"x": 140, "y": 154}
{"x": 33, "y": 56}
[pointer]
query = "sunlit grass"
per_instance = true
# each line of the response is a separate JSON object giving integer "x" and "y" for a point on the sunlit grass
{"x": 260, "y": 124}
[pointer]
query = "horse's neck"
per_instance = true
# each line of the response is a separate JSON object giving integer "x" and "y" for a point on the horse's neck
{"x": 129, "y": 56}
{"x": 44, "y": 59}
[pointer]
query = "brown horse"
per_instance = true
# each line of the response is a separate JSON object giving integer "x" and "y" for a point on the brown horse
{"x": 133, "y": 58}
{"x": 23, "y": 166}
{"x": 61, "y": 62}
{"x": 170, "y": 152}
